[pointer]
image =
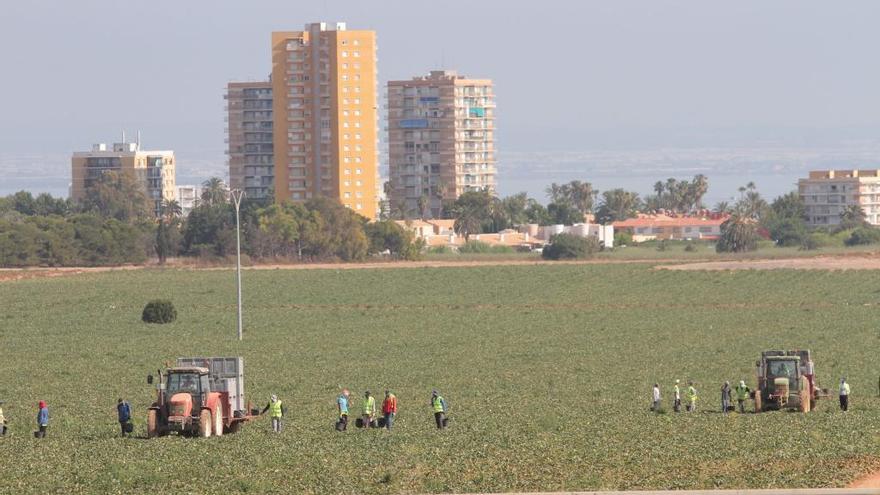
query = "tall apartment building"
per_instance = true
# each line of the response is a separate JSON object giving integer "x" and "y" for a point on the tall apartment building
{"x": 249, "y": 134}
{"x": 441, "y": 136}
{"x": 827, "y": 193}
{"x": 155, "y": 169}
{"x": 325, "y": 116}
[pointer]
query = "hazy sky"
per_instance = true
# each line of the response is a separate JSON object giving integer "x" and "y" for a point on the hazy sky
{"x": 570, "y": 75}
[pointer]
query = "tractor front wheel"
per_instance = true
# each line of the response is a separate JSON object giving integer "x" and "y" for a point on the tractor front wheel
{"x": 152, "y": 423}
{"x": 205, "y": 424}
{"x": 218, "y": 421}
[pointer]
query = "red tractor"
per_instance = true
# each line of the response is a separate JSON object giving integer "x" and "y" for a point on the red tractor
{"x": 199, "y": 396}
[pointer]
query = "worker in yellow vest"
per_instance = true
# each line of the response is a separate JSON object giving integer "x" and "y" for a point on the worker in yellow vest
{"x": 438, "y": 405}
{"x": 369, "y": 410}
{"x": 742, "y": 393}
{"x": 692, "y": 397}
{"x": 276, "y": 412}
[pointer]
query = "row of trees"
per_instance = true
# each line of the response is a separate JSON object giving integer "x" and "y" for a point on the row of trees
{"x": 477, "y": 212}
{"x": 115, "y": 224}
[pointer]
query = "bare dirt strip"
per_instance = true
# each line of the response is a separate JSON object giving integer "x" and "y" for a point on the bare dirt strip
{"x": 11, "y": 274}
{"x": 870, "y": 481}
{"x": 812, "y": 263}
{"x": 815, "y": 263}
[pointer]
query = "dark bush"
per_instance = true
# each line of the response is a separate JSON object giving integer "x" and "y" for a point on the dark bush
{"x": 863, "y": 235}
{"x": 159, "y": 311}
{"x": 567, "y": 247}
{"x": 690, "y": 247}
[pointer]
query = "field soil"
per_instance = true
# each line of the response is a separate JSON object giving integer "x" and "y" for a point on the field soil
{"x": 870, "y": 481}
{"x": 816, "y": 263}
{"x": 547, "y": 369}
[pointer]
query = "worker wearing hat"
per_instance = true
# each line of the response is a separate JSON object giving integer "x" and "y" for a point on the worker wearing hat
{"x": 742, "y": 393}
{"x": 42, "y": 419}
{"x": 2, "y": 420}
{"x": 276, "y": 412}
{"x": 369, "y": 409}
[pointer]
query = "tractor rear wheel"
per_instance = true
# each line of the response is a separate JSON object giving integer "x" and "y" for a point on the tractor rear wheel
{"x": 152, "y": 423}
{"x": 218, "y": 421}
{"x": 205, "y": 424}
{"x": 758, "y": 402}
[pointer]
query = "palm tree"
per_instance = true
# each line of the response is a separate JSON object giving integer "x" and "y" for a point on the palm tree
{"x": 722, "y": 208}
{"x": 423, "y": 202}
{"x": 214, "y": 191}
{"x": 700, "y": 188}
{"x": 171, "y": 209}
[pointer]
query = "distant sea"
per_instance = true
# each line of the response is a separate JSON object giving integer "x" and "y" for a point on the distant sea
{"x": 774, "y": 170}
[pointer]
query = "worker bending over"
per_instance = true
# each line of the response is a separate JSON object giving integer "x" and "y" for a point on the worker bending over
{"x": 438, "y": 404}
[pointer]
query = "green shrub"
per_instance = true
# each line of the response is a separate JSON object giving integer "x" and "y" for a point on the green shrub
{"x": 623, "y": 238}
{"x": 159, "y": 311}
{"x": 475, "y": 247}
{"x": 439, "y": 250}
{"x": 567, "y": 246}
{"x": 863, "y": 236}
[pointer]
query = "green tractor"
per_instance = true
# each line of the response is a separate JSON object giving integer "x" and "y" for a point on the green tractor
{"x": 786, "y": 381}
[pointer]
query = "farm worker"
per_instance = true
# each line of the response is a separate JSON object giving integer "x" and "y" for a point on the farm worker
{"x": 742, "y": 393}
{"x": 369, "y": 409}
{"x": 2, "y": 420}
{"x": 656, "y": 397}
{"x": 676, "y": 404}
{"x": 42, "y": 419}
{"x": 438, "y": 404}
{"x": 389, "y": 408}
{"x": 276, "y": 412}
{"x": 844, "y": 394}
{"x": 342, "y": 407}
{"x": 123, "y": 412}
{"x": 725, "y": 397}
{"x": 692, "y": 397}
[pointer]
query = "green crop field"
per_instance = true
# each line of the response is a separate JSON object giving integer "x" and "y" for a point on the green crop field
{"x": 547, "y": 370}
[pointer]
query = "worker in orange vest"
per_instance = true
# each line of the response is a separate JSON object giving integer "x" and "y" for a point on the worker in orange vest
{"x": 389, "y": 408}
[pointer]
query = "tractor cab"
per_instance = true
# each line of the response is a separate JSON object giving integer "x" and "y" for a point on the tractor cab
{"x": 782, "y": 377}
{"x": 188, "y": 380}
{"x": 186, "y": 392}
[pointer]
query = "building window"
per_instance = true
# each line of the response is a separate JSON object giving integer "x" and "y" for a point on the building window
{"x": 358, "y": 171}
{"x": 346, "y": 195}
{"x": 358, "y": 206}
{"x": 347, "y": 171}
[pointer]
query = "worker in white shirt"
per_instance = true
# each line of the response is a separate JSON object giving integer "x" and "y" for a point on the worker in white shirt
{"x": 656, "y": 406}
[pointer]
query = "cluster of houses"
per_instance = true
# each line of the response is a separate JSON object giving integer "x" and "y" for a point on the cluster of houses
{"x": 529, "y": 237}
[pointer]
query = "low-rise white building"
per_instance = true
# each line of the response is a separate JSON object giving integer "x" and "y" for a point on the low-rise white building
{"x": 188, "y": 197}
